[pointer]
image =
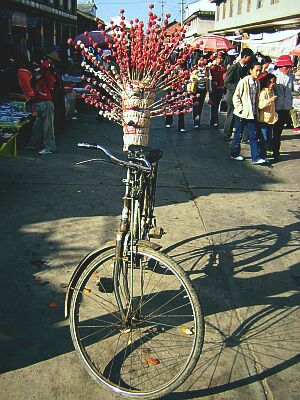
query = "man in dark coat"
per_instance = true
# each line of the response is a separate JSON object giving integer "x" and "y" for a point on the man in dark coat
{"x": 236, "y": 72}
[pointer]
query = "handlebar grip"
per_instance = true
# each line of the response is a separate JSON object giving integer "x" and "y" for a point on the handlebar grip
{"x": 91, "y": 146}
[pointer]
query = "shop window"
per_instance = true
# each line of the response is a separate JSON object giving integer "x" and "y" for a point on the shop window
{"x": 248, "y": 5}
{"x": 259, "y": 3}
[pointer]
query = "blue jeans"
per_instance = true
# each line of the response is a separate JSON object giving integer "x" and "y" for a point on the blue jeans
{"x": 258, "y": 149}
{"x": 267, "y": 132}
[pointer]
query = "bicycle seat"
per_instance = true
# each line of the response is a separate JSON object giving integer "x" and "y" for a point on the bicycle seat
{"x": 148, "y": 153}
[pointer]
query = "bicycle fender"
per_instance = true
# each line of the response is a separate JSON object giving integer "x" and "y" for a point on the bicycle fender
{"x": 80, "y": 267}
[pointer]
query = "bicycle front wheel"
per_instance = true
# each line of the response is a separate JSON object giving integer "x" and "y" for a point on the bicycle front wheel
{"x": 156, "y": 348}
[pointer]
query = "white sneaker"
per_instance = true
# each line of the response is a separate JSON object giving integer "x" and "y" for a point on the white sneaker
{"x": 259, "y": 161}
{"x": 196, "y": 126}
{"x": 182, "y": 130}
{"x": 46, "y": 151}
{"x": 238, "y": 158}
{"x": 168, "y": 126}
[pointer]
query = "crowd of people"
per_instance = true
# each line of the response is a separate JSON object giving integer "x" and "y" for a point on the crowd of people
{"x": 257, "y": 95}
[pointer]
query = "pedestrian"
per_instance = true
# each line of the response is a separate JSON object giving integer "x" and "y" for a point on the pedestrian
{"x": 284, "y": 101}
{"x": 235, "y": 73}
{"x": 245, "y": 102}
{"x": 57, "y": 93}
{"x": 200, "y": 77}
{"x": 217, "y": 72}
{"x": 230, "y": 58}
{"x": 174, "y": 104}
{"x": 196, "y": 54}
{"x": 180, "y": 120}
{"x": 267, "y": 113}
{"x": 265, "y": 63}
{"x": 37, "y": 83}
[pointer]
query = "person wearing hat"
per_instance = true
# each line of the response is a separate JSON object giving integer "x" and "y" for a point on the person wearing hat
{"x": 53, "y": 56}
{"x": 283, "y": 91}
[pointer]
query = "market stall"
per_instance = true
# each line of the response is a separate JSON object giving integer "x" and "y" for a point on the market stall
{"x": 14, "y": 118}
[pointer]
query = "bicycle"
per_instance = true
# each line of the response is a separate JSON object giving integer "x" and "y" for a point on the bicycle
{"x": 135, "y": 318}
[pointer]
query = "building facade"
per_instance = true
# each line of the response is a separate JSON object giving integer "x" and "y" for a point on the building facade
{"x": 27, "y": 26}
{"x": 199, "y": 23}
{"x": 234, "y": 17}
{"x": 86, "y": 22}
{"x": 89, "y": 8}
{"x": 200, "y": 18}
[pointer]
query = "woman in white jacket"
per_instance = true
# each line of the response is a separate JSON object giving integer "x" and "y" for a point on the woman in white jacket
{"x": 245, "y": 102}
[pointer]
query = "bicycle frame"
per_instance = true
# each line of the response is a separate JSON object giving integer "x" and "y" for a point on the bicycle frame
{"x": 136, "y": 221}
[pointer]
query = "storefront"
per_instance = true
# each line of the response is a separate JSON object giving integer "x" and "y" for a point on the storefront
{"x": 26, "y": 28}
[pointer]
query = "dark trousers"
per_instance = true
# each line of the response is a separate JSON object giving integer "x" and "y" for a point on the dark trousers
{"x": 198, "y": 106}
{"x": 170, "y": 119}
{"x": 229, "y": 122}
{"x": 216, "y": 97}
{"x": 283, "y": 118}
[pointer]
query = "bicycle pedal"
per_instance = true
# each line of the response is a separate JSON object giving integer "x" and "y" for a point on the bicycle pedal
{"x": 106, "y": 285}
{"x": 156, "y": 232}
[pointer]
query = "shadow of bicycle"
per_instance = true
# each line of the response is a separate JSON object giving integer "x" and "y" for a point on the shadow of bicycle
{"x": 249, "y": 291}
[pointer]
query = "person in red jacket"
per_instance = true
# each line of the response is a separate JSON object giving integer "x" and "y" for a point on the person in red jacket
{"x": 37, "y": 85}
{"x": 217, "y": 72}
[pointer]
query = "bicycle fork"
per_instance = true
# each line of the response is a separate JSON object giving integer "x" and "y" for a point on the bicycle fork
{"x": 124, "y": 253}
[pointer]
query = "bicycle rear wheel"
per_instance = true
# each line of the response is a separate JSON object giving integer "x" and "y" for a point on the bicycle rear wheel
{"x": 156, "y": 349}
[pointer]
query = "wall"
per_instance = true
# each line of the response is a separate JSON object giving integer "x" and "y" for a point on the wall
{"x": 199, "y": 27}
{"x": 267, "y": 12}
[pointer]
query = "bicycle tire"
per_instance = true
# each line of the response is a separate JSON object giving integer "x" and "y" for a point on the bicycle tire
{"x": 159, "y": 350}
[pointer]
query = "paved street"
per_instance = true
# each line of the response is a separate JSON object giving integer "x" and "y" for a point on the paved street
{"x": 233, "y": 227}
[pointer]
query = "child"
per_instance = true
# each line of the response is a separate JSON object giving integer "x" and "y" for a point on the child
{"x": 267, "y": 114}
{"x": 245, "y": 102}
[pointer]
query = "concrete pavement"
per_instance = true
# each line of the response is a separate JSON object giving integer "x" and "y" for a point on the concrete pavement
{"x": 233, "y": 227}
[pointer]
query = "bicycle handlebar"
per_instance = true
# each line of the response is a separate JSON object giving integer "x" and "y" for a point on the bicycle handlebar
{"x": 129, "y": 164}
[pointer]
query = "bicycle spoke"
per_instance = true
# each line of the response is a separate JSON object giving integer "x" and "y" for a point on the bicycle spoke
{"x": 148, "y": 350}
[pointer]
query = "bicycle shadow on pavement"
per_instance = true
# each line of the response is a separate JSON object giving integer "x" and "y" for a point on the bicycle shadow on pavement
{"x": 244, "y": 313}
{"x": 251, "y": 306}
